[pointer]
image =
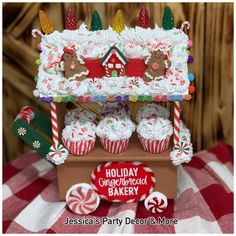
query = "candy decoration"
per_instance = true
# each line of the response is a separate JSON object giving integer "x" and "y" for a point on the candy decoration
{"x": 82, "y": 199}
{"x": 186, "y": 25}
{"x": 118, "y": 23}
{"x": 190, "y": 44}
{"x": 55, "y": 135}
{"x": 96, "y": 23}
{"x": 57, "y": 154}
{"x": 190, "y": 59}
{"x": 45, "y": 23}
{"x": 176, "y": 121}
{"x": 156, "y": 202}
{"x": 34, "y": 31}
{"x": 37, "y": 62}
{"x": 26, "y": 113}
{"x": 182, "y": 147}
{"x": 36, "y": 78}
{"x": 187, "y": 97}
{"x": 191, "y": 89}
{"x": 191, "y": 77}
{"x": 70, "y": 22}
{"x": 143, "y": 20}
{"x": 168, "y": 20}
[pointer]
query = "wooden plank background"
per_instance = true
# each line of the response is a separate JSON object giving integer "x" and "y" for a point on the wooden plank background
{"x": 210, "y": 113}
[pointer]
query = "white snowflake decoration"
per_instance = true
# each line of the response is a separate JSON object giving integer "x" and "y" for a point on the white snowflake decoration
{"x": 36, "y": 144}
{"x": 22, "y": 131}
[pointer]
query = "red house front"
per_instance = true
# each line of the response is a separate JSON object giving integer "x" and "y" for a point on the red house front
{"x": 114, "y": 62}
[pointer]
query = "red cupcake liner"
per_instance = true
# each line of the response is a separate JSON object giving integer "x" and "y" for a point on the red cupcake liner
{"x": 79, "y": 148}
{"x": 154, "y": 146}
{"x": 114, "y": 147}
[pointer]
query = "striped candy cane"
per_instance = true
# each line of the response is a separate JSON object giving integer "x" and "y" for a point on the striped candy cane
{"x": 186, "y": 25}
{"x": 57, "y": 153}
{"x": 55, "y": 135}
{"x": 176, "y": 121}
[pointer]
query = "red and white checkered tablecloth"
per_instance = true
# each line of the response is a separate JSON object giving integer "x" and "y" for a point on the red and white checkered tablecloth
{"x": 204, "y": 202}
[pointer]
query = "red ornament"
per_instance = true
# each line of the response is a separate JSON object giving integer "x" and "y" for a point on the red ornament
{"x": 123, "y": 181}
{"x": 143, "y": 20}
{"x": 70, "y": 20}
{"x": 191, "y": 89}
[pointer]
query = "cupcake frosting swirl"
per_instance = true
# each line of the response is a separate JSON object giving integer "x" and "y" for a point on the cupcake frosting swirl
{"x": 81, "y": 130}
{"x": 156, "y": 129}
{"x": 79, "y": 114}
{"x": 152, "y": 111}
{"x": 114, "y": 129}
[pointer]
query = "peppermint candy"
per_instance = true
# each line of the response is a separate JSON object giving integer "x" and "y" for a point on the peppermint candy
{"x": 57, "y": 154}
{"x": 156, "y": 202}
{"x": 82, "y": 199}
{"x": 182, "y": 147}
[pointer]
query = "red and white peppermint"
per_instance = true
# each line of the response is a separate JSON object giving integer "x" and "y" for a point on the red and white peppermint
{"x": 156, "y": 202}
{"x": 82, "y": 199}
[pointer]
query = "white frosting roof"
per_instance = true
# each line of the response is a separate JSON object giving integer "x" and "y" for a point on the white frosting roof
{"x": 132, "y": 42}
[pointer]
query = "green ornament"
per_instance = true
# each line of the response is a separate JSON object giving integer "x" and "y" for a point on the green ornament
{"x": 96, "y": 23}
{"x": 168, "y": 20}
{"x": 36, "y": 78}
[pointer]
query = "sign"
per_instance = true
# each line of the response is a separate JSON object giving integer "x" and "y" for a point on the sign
{"x": 123, "y": 181}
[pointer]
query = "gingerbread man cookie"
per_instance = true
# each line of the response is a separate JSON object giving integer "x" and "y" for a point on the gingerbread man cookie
{"x": 72, "y": 67}
{"x": 157, "y": 63}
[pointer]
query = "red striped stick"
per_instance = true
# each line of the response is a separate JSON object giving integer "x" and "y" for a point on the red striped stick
{"x": 55, "y": 135}
{"x": 176, "y": 121}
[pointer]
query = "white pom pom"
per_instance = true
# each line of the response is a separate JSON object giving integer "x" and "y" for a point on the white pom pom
{"x": 36, "y": 93}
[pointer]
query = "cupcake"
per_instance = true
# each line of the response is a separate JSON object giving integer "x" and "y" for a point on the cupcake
{"x": 79, "y": 137}
{"x": 152, "y": 110}
{"x": 114, "y": 109}
{"x": 154, "y": 134}
{"x": 79, "y": 114}
{"x": 114, "y": 134}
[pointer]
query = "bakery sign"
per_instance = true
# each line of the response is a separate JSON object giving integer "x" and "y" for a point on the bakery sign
{"x": 123, "y": 181}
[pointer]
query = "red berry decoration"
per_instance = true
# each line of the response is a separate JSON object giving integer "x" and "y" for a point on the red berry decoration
{"x": 70, "y": 20}
{"x": 143, "y": 20}
{"x": 191, "y": 89}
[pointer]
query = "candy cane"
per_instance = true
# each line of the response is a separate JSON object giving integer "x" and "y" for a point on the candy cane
{"x": 34, "y": 31}
{"x": 55, "y": 135}
{"x": 176, "y": 121}
{"x": 185, "y": 24}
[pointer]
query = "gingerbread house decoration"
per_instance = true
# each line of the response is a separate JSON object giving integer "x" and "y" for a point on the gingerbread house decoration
{"x": 114, "y": 62}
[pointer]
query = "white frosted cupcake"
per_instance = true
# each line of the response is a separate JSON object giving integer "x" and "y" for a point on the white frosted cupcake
{"x": 114, "y": 109}
{"x": 114, "y": 134}
{"x": 152, "y": 110}
{"x": 79, "y": 137}
{"x": 79, "y": 114}
{"x": 154, "y": 134}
